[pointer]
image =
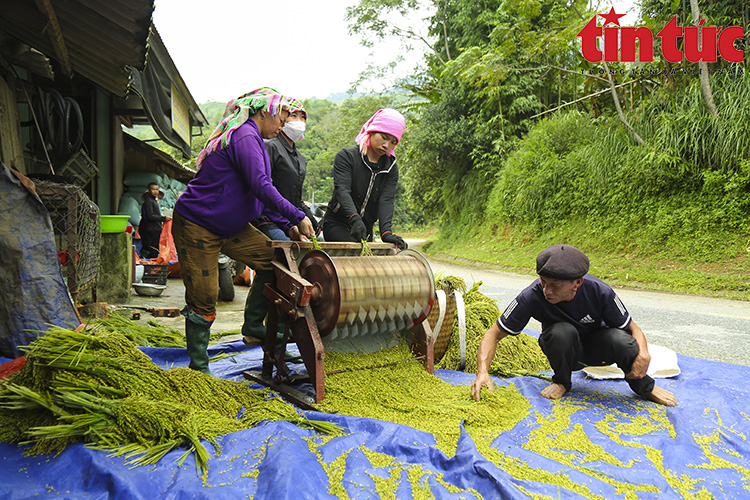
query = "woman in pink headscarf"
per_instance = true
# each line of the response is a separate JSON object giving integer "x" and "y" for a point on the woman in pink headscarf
{"x": 364, "y": 179}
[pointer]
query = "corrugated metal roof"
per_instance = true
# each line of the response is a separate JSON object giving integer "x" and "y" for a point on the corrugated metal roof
{"x": 101, "y": 37}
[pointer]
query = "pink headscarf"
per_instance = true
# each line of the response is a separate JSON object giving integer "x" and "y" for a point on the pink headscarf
{"x": 386, "y": 120}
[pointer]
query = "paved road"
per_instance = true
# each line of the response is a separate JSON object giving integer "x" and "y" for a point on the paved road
{"x": 709, "y": 328}
{"x": 703, "y": 327}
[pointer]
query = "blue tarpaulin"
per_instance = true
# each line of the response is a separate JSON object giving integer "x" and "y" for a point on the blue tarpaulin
{"x": 33, "y": 294}
{"x": 599, "y": 441}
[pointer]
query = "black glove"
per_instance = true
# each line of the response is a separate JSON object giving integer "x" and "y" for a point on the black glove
{"x": 358, "y": 231}
{"x": 397, "y": 240}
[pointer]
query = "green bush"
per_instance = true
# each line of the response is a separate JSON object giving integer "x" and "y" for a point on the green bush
{"x": 682, "y": 195}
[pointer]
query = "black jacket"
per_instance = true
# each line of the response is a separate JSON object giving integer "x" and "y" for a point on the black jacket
{"x": 362, "y": 188}
{"x": 288, "y": 171}
{"x": 151, "y": 217}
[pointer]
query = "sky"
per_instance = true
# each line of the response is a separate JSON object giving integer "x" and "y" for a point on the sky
{"x": 302, "y": 48}
{"x": 225, "y": 48}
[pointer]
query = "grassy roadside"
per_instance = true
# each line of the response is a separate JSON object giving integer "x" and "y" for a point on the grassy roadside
{"x": 728, "y": 279}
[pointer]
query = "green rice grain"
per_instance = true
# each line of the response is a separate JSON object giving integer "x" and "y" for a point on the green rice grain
{"x": 406, "y": 394}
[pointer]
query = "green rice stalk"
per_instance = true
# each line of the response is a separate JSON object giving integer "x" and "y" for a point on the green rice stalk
{"x": 220, "y": 356}
{"x": 153, "y": 335}
{"x": 449, "y": 283}
{"x": 96, "y": 386}
{"x": 366, "y": 251}
{"x": 18, "y": 397}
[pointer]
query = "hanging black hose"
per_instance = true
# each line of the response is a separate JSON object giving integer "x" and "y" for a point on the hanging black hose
{"x": 72, "y": 107}
{"x": 55, "y": 104}
{"x": 54, "y": 113}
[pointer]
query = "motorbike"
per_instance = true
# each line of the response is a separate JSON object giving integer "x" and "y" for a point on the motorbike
{"x": 227, "y": 267}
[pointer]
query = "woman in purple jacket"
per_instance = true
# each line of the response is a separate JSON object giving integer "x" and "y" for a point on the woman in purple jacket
{"x": 232, "y": 187}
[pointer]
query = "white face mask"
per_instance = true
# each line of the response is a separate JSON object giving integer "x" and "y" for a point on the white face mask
{"x": 294, "y": 130}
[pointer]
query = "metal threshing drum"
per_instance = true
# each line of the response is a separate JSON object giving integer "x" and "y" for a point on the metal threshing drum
{"x": 359, "y": 303}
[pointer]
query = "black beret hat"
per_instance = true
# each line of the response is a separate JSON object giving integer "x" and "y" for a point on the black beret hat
{"x": 563, "y": 262}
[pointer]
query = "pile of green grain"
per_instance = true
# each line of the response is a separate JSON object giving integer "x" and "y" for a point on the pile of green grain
{"x": 406, "y": 394}
{"x": 516, "y": 355}
{"x": 95, "y": 386}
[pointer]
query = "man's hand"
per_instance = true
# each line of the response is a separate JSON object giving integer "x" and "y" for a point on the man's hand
{"x": 305, "y": 227}
{"x": 389, "y": 237}
{"x": 485, "y": 353}
{"x": 482, "y": 380}
{"x": 358, "y": 231}
{"x": 295, "y": 235}
{"x": 639, "y": 369}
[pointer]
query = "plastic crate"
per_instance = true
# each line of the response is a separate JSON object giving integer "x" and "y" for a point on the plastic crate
{"x": 155, "y": 274}
{"x": 79, "y": 168}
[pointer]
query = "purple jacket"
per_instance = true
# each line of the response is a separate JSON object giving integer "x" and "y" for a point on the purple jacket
{"x": 234, "y": 186}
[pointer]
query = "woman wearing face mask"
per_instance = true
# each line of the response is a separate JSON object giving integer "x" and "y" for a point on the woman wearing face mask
{"x": 364, "y": 180}
{"x": 232, "y": 187}
{"x": 288, "y": 168}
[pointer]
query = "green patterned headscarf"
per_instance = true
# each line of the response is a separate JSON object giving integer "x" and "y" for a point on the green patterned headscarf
{"x": 296, "y": 105}
{"x": 237, "y": 112}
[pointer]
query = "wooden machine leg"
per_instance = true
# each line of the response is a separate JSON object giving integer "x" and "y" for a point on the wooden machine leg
{"x": 310, "y": 346}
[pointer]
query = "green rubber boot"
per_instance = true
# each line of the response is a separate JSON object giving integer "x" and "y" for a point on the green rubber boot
{"x": 256, "y": 306}
{"x": 197, "y": 333}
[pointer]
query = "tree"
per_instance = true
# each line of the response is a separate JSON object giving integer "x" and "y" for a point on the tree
{"x": 708, "y": 95}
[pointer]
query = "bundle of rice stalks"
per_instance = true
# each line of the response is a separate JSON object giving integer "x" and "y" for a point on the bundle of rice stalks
{"x": 366, "y": 250}
{"x": 153, "y": 335}
{"x": 95, "y": 386}
{"x": 518, "y": 355}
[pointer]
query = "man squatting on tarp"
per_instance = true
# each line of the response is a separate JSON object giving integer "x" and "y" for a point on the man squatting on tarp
{"x": 584, "y": 323}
